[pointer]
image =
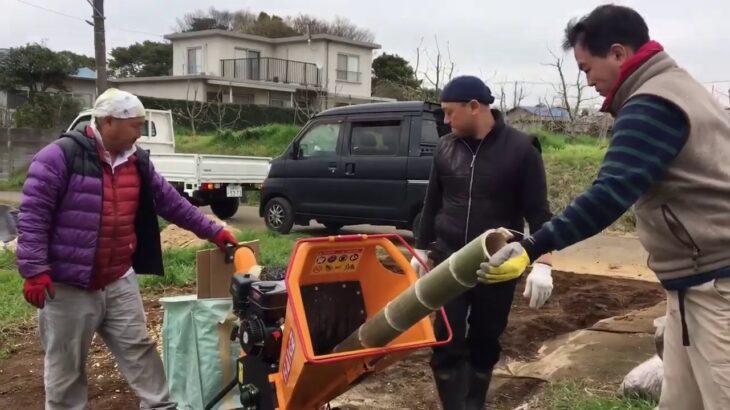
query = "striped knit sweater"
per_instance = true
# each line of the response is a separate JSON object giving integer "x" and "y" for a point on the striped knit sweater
{"x": 648, "y": 134}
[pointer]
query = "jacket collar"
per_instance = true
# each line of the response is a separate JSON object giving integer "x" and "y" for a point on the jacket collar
{"x": 648, "y": 61}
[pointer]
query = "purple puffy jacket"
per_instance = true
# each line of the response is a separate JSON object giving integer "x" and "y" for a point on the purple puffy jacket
{"x": 60, "y": 218}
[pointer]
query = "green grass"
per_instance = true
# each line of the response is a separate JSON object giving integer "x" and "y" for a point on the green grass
{"x": 572, "y": 165}
{"x": 579, "y": 396}
{"x": 14, "y": 311}
{"x": 15, "y": 181}
{"x": 264, "y": 141}
{"x": 179, "y": 269}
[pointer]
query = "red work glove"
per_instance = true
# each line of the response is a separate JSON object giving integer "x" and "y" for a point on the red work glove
{"x": 224, "y": 237}
{"x": 35, "y": 289}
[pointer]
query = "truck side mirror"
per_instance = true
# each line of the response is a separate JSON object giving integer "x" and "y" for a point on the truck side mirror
{"x": 295, "y": 150}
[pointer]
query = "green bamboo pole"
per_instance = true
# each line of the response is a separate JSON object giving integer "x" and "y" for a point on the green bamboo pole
{"x": 449, "y": 279}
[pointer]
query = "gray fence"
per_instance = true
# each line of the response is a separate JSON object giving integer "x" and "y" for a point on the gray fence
{"x": 18, "y": 145}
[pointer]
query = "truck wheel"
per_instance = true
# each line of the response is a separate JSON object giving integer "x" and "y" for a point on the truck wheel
{"x": 225, "y": 208}
{"x": 279, "y": 215}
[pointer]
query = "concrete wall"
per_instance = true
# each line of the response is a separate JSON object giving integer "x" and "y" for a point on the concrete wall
{"x": 19, "y": 145}
{"x": 176, "y": 90}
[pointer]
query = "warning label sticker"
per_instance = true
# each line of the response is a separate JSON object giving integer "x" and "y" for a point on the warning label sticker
{"x": 337, "y": 261}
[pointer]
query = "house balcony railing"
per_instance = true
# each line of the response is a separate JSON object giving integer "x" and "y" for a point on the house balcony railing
{"x": 270, "y": 69}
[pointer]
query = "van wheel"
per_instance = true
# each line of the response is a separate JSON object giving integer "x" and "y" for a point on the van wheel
{"x": 416, "y": 227}
{"x": 333, "y": 227}
{"x": 225, "y": 208}
{"x": 279, "y": 215}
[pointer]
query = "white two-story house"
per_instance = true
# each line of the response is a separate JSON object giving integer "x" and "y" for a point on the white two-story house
{"x": 219, "y": 65}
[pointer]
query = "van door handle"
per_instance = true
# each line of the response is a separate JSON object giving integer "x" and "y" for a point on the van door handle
{"x": 350, "y": 168}
{"x": 332, "y": 166}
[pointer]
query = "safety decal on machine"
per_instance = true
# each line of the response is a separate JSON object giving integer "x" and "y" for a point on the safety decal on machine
{"x": 337, "y": 260}
{"x": 289, "y": 357}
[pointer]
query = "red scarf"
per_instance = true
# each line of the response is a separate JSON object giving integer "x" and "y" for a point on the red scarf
{"x": 643, "y": 54}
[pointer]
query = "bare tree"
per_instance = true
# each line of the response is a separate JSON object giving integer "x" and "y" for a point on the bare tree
{"x": 572, "y": 95}
{"x": 502, "y": 99}
{"x": 518, "y": 95}
{"x": 222, "y": 115}
{"x": 441, "y": 68}
{"x": 437, "y": 70}
{"x": 194, "y": 110}
{"x": 311, "y": 100}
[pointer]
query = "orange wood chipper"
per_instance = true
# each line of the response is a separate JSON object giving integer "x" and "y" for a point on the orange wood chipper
{"x": 337, "y": 317}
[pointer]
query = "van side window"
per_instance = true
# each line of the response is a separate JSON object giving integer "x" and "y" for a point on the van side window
{"x": 82, "y": 124}
{"x": 378, "y": 138}
{"x": 320, "y": 141}
{"x": 430, "y": 134}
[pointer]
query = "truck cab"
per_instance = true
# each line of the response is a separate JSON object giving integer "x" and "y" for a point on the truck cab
{"x": 218, "y": 181}
{"x": 157, "y": 136}
{"x": 361, "y": 164}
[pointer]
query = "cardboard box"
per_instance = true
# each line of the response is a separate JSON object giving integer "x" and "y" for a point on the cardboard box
{"x": 214, "y": 274}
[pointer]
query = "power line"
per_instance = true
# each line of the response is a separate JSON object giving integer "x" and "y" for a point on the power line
{"x": 51, "y": 11}
{"x": 83, "y": 19}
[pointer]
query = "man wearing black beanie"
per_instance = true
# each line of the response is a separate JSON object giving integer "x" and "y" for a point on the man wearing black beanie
{"x": 485, "y": 175}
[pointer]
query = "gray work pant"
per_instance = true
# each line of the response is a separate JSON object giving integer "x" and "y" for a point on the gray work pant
{"x": 67, "y": 326}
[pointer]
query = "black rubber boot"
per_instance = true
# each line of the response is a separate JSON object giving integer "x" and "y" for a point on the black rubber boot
{"x": 452, "y": 386}
{"x": 478, "y": 387}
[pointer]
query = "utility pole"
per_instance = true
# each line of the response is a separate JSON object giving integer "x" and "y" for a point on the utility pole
{"x": 99, "y": 44}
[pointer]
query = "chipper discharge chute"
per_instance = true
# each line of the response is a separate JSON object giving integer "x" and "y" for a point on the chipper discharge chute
{"x": 339, "y": 316}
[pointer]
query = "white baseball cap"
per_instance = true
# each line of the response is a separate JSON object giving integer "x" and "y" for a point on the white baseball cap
{"x": 118, "y": 104}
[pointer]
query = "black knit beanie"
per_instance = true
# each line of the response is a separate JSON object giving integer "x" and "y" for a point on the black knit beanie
{"x": 466, "y": 88}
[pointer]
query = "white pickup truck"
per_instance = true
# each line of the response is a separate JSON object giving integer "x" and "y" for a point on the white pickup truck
{"x": 216, "y": 180}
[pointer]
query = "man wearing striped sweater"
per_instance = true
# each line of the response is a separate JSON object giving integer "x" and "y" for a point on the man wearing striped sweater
{"x": 668, "y": 156}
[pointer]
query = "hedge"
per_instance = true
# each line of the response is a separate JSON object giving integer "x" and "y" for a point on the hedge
{"x": 208, "y": 117}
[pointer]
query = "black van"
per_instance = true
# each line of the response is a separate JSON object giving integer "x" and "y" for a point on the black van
{"x": 360, "y": 164}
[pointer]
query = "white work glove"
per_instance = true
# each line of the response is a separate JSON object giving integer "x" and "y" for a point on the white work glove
{"x": 539, "y": 285}
{"x": 420, "y": 270}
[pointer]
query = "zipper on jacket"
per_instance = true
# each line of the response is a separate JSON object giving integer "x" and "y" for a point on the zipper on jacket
{"x": 471, "y": 185}
{"x": 115, "y": 216}
{"x": 689, "y": 242}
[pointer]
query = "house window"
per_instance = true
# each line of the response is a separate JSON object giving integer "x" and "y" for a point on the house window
{"x": 247, "y": 64}
{"x": 279, "y": 99}
{"x": 348, "y": 68}
{"x": 243, "y": 98}
{"x": 195, "y": 60}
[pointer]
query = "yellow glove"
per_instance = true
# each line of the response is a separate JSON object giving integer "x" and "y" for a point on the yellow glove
{"x": 508, "y": 263}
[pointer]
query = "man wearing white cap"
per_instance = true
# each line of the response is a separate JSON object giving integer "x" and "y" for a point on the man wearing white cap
{"x": 87, "y": 226}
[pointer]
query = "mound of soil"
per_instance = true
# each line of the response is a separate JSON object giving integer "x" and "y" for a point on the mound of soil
{"x": 578, "y": 301}
{"x": 174, "y": 236}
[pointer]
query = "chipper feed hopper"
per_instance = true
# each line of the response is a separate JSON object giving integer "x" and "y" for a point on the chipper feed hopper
{"x": 338, "y": 316}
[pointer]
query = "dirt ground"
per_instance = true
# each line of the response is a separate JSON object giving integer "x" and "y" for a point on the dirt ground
{"x": 578, "y": 301}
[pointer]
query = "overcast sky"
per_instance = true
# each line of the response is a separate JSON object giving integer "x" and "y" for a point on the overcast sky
{"x": 486, "y": 38}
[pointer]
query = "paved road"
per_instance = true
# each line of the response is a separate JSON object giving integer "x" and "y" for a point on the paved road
{"x": 12, "y": 198}
{"x": 248, "y": 218}
{"x": 604, "y": 254}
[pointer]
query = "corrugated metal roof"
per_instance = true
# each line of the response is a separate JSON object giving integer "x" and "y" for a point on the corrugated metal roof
{"x": 85, "y": 72}
{"x": 547, "y": 112}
